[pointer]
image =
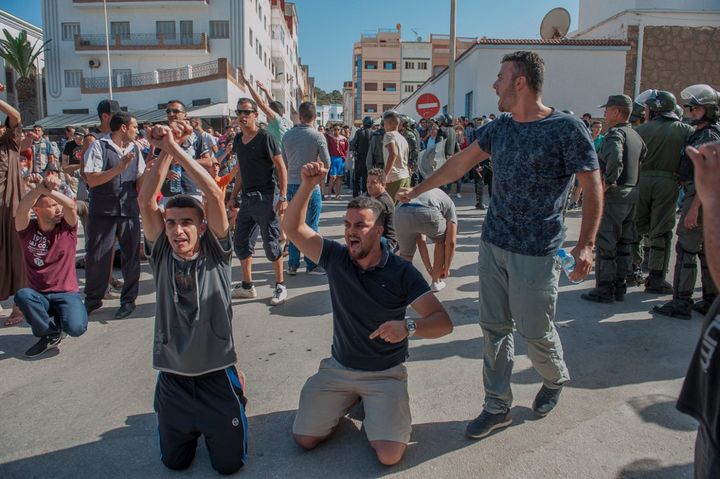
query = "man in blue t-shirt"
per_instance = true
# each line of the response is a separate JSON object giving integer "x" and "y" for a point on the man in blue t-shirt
{"x": 370, "y": 290}
{"x": 535, "y": 151}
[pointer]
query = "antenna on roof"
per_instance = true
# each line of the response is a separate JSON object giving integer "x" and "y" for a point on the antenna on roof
{"x": 555, "y": 24}
{"x": 418, "y": 37}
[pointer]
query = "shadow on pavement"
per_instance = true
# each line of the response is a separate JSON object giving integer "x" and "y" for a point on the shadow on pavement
{"x": 651, "y": 469}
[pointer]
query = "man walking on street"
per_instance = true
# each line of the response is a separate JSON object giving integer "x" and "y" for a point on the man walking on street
{"x": 535, "y": 152}
{"x": 620, "y": 155}
{"x": 360, "y": 145}
{"x": 113, "y": 166}
{"x": 395, "y": 155}
{"x": 301, "y": 145}
{"x": 258, "y": 157}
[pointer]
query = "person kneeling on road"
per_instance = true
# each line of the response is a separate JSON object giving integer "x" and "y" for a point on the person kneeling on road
{"x": 51, "y": 303}
{"x": 370, "y": 289}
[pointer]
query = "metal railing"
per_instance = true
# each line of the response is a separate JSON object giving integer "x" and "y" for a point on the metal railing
{"x": 143, "y": 40}
{"x": 157, "y": 77}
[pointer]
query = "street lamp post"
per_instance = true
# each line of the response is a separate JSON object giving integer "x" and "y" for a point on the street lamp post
{"x": 451, "y": 66}
{"x": 107, "y": 49}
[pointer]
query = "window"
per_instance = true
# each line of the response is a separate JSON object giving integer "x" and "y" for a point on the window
{"x": 422, "y": 65}
{"x": 9, "y": 80}
{"x": 389, "y": 86}
{"x": 469, "y": 104}
{"x": 121, "y": 29}
{"x": 166, "y": 29}
{"x": 408, "y": 88}
{"x": 202, "y": 102}
{"x": 371, "y": 65}
{"x": 69, "y": 30}
{"x": 73, "y": 78}
{"x": 388, "y": 106}
{"x": 122, "y": 77}
{"x": 371, "y": 87}
{"x": 389, "y": 65}
{"x": 370, "y": 108}
{"x": 409, "y": 65}
{"x": 221, "y": 29}
{"x": 251, "y": 37}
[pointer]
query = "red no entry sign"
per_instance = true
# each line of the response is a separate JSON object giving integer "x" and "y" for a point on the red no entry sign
{"x": 427, "y": 105}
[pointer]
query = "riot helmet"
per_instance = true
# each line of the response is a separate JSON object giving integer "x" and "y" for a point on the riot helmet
{"x": 659, "y": 102}
{"x": 367, "y": 122}
{"x": 704, "y": 96}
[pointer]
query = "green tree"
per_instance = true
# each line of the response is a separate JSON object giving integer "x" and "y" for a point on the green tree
{"x": 325, "y": 98}
{"x": 20, "y": 55}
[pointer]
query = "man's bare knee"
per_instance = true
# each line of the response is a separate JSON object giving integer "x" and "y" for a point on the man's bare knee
{"x": 389, "y": 453}
{"x": 307, "y": 442}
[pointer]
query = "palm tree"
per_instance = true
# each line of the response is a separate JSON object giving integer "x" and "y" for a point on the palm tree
{"x": 21, "y": 55}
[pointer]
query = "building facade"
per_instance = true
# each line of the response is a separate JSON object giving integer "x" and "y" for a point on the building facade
{"x": 8, "y": 76}
{"x": 332, "y": 113}
{"x": 415, "y": 66}
{"x": 177, "y": 49}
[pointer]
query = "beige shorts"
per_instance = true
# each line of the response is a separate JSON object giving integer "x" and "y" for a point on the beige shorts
{"x": 327, "y": 396}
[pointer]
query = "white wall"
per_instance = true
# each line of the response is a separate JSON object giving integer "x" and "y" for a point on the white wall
{"x": 577, "y": 79}
{"x": 414, "y": 52}
{"x": 617, "y": 27}
{"x": 592, "y": 12}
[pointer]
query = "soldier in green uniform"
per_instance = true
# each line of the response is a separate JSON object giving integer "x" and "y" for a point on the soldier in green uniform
{"x": 620, "y": 156}
{"x": 407, "y": 129}
{"x": 665, "y": 136}
{"x": 703, "y": 103}
{"x": 637, "y": 277}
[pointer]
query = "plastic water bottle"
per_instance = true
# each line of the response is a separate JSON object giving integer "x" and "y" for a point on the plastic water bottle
{"x": 567, "y": 262}
{"x": 176, "y": 185}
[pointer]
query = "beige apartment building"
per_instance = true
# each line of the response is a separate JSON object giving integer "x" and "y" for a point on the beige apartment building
{"x": 441, "y": 50}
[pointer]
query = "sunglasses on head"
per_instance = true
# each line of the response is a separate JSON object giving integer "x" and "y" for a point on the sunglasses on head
{"x": 244, "y": 112}
{"x": 174, "y": 110}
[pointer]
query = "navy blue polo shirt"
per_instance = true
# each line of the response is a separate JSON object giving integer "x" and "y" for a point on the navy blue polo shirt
{"x": 362, "y": 300}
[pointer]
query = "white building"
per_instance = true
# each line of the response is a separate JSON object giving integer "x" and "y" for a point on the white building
{"x": 332, "y": 113}
{"x": 415, "y": 66}
{"x": 572, "y": 75}
{"x": 14, "y": 26}
{"x": 176, "y": 49}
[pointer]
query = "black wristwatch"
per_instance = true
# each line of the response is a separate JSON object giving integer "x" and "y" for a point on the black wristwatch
{"x": 411, "y": 326}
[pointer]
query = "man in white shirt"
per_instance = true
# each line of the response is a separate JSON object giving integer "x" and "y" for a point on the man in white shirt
{"x": 395, "y": 154}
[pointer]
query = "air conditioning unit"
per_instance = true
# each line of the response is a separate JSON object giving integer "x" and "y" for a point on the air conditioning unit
{"x": 94, "y": 63}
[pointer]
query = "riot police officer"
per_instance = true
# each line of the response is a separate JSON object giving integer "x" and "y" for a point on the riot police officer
{"x": 407, "y": 129}
{"x": 620, "y": 156}
{"x": 703, "y": 103}
{"x": 665, "y": 136}
{"x": 360, "y": 144}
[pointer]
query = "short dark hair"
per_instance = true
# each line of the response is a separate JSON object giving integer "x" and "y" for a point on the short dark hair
{"x": 119, "y": 119}
{"x": 307, "y": 111}
{"x": 379, "y": 172}
{"x": 69, "y": 128}
{"x": 247, "y": 100}
{"x": 596, "y": 122}
{"x": 178, "y": 102}
{"x": 107, "y": 107}
{"x": 277, "y": 107}
{"x": 185, "y": 201}
{"x": 367, "y": 203}
{"x": 530, "y": 65}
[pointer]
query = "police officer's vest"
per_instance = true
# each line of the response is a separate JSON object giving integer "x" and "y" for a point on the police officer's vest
{"x": 117, "y": 197}
{"x": 686, "y": 172}
{"x": 632, "y": 149}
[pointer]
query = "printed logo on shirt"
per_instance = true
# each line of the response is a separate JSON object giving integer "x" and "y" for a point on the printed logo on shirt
{"x": 38, "y": 247}
{"x": 235, "y": 422}
{"x": 709, "y": 343}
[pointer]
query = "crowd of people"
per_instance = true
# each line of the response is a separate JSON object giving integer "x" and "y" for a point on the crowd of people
{"x": 186, "y": 199}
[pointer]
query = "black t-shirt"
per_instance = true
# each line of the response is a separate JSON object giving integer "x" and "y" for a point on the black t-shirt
{"x": 700, "y": 394}
{"x": 256, "y": 162}
{"x": 72, "y": 150}
{"x": 388, "y": 218}
{"x": 362, "y": 300}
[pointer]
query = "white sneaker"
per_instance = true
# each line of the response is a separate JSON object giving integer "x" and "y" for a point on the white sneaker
{"x": 240, "y": 292}
{"x": 437, "y": 286}
{"x": 458, "y": 196}
{"x": 279, "y": 295}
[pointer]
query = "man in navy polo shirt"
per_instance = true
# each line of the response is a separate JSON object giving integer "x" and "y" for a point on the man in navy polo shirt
{"x": 370, "y": 289}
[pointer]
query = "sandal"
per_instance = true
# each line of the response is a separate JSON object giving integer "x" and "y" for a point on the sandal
{"x": 15, "y": 318}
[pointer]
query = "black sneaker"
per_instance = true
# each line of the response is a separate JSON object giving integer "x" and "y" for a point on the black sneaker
{"x": 125, "y": 310}
{"x": 702, "y": 306}
{"x": 91, "y": 306}
{"x": 486, "y": 423}
{"x": 45, "y": 343}
{"x": 677, "y": 308}
{"x": 546, "y": 400}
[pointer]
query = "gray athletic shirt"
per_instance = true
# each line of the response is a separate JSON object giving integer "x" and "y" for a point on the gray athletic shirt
{"x": 300, "y": 145}
{"x": 193, "y": 331}
{"x": 436, "y": 198}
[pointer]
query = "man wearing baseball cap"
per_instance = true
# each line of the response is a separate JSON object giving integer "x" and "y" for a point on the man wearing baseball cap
{"x": 620, "y": 156}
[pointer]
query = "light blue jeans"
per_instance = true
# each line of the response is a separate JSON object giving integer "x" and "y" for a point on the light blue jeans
{"x": 312, "y": 219}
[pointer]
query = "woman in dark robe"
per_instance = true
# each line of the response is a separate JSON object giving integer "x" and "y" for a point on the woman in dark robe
{"x": 12, "y": 188}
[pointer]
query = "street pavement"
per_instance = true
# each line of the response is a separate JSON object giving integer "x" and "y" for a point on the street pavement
{"x": 86, "y": 410}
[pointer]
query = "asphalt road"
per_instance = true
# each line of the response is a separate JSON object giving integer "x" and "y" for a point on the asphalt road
{"x": 85, "y": 411}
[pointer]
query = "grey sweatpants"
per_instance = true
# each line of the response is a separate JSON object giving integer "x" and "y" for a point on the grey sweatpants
{"x": 521, "y": 291}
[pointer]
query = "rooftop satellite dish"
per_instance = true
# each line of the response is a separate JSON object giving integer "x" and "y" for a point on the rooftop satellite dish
{"x": 555, "y": 24}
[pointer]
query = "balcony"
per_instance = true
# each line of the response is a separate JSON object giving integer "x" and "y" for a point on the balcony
{"x": 164, "y": 78}
{"x": 140, "y": 3}
{"x": 143, "y": 41}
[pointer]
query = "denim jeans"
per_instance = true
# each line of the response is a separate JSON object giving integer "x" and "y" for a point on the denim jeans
{"x": 51, "y": 313}
{"x": 312, "y": 219}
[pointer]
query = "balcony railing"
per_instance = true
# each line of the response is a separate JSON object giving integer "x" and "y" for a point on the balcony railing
{"x": 81, "y": 2}
{"x": 160, "y": 78}
{"x": 143, "y": 41}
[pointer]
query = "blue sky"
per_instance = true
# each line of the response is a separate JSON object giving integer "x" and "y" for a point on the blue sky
{"x": 328, "y": 28}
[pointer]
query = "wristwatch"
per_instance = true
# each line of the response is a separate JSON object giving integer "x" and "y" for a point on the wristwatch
{"x": 411, "y": 326}
{"x": 282, "y": 198}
